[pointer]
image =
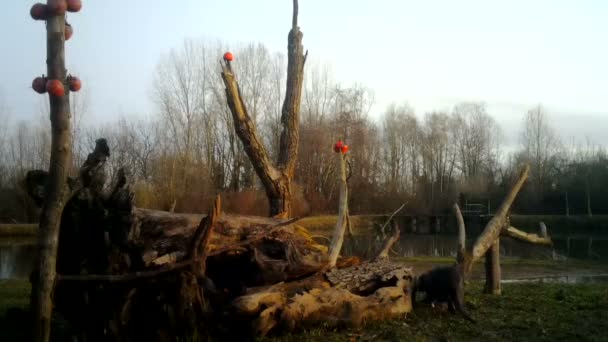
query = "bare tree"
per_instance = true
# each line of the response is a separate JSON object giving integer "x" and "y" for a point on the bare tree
{"x": 400, "y": 130}
{"x": 277, "y": 180}
{"x": 476, "y": 137}
{"x": 540, "y": 144}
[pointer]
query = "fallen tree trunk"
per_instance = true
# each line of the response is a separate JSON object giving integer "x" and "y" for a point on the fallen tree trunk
{"x": 122, "y": 267}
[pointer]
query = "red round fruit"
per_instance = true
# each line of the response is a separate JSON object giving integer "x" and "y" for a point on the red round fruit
{"x": 69, "y": 31}
{"x": 344, "y": 149}
{"x": 39, "y": 85}
{"x": 57, "y": 7}
{"x": 74, "y": 5}
{"x": 74, "y": 83}
{"x": 55, "y": 88}
{"x": 39, "y": 11}
{"x": 228, "y": 56}
{"x": 338, "y": 146}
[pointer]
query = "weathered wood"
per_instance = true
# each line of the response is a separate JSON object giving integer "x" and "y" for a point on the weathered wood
{"x": 338, "y": 234}
{"x": 496, "y": 224}
{"x": 462, "y": 234}
{"x": 543, "y": 229}
{"x": 56, "y": 189}
{"x": 492, "y": 268}
{"x": 388, "y": 243}
{"x": 369, "y": 276}
{"x": 276, "y": 179}
{"x": 350, "y": 296}
{"x": 517, "y": 234}
{"x": 200, "y": 242}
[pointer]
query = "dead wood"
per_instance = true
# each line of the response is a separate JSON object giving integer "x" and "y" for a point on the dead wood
{"x": 340, "y": 297}
{"x": 542, "y": 239}
{"x": 461, "y": 234}
{"x": 388, "y": 243}
{"x": 492, "y": 268}
{"x": 338, "y": 234}
{"x": 275, "y": 178}
{"x": 496, "y": 224}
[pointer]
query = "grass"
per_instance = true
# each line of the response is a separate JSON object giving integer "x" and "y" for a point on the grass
{"x": 524, "y": 312}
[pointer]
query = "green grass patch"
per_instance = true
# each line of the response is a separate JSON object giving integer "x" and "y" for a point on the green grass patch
{"x": 524, "y": 312}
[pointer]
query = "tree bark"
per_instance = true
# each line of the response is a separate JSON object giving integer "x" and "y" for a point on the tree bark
{"x": 277, "y": 180}
{"x": 517, "y": 234}
{"x": 56, "y": 188}
{"x": 492, "y": 266}
{"x": 338, "y": 235}
{"x": 462, "y": 235}
{"x": 496, "y": 224}
{"x": 388, "y": 243}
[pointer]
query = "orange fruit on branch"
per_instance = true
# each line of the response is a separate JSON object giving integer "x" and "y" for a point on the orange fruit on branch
{"x": 338, "y": 146}
{"x": 39, "y": 85}
{"x": 55, "y": 88}
{"x": 74, "y": 83}
{"x": 39, "y": 11}
{"x": 228, "y": 56}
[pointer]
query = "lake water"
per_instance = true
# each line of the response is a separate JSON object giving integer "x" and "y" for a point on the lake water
{"x": 17, "y": 255}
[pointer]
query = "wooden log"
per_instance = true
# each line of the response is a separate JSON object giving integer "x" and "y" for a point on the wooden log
{"x": 338, "y": 234}
{"x": 517, "y": 234}
{"x": 341, "y": 297}
{"x": 461, "y": 234}
{"x": 496, "y": 224}
{"x": 492, "y": 268}
{"x": 388, "y": 243}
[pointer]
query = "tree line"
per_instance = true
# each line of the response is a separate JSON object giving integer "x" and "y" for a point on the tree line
{"x": 185, "y": 152}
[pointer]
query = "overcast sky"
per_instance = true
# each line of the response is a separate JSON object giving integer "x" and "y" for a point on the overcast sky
{"x": 432, "y": 54}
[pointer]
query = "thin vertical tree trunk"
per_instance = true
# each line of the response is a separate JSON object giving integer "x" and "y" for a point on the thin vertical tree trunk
{"x": 567, "y": 205}
{"x": 461, "y": 234}
{"x": 56, "y": 187}
{"x": 338, "y": 235}
{"x": 588, "y": 193}
{"x": 492, "y": 265}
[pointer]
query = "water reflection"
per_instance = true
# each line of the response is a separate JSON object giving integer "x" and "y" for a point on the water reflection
{"x": 565, "y": 279}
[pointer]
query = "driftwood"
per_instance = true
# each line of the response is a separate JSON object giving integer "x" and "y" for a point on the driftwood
{"x": 388, "y": 243}
{"x": 488, "y": 243}
{"x": 342, "y": 223}
{"x": 495, "y": 226}
{"x": 122, "y": 267}
{"x": 542, "y": 239}
{"x": 461, "y": 234}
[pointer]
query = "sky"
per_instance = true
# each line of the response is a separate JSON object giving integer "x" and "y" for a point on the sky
{"x": 431, "y": 54}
